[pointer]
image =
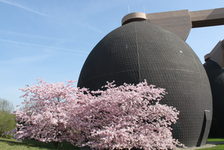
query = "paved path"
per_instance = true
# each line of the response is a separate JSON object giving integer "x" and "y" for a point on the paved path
{"x": 195, "y": 148}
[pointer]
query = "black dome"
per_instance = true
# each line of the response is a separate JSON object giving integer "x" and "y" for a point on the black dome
{"x": 216, "y": 77}
{"x": 141, "y": 50}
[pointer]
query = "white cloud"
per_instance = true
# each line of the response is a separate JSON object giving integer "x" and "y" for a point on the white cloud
{"x": 91, "y": 27}
{"x": 49, "y": 48}
{"x": 25, "y": 59}
{"x": 22, "y": 7}
{"x": 12, "y": 33}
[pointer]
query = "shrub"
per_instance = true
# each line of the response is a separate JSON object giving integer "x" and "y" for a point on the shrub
{"x": 7, "y": 124}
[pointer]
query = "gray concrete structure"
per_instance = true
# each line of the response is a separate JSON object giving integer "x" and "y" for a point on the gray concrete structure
{"x": 143, "y": 48}
{"x": 140, "y": 51}
{"x": 180, "y": 22}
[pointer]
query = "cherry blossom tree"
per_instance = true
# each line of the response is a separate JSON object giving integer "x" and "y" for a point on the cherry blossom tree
{"x": 43, "y": 116}
{"x": 118, "y": 117}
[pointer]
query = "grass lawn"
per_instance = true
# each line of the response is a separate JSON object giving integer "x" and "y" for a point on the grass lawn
{"x": 11, "y": 144}
{"x": 215, "y": 140}
{"x": 219, "y": 142}
{"x": 219, "y": 147}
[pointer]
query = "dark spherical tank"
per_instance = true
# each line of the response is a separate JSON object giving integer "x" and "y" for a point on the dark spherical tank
{"x": 216, "y": 77}
{"x": 141, "y": 50}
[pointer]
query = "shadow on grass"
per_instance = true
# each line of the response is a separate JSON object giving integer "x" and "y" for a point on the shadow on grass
{"x": 216, "y": 141}
{"x": 40, "y": 145}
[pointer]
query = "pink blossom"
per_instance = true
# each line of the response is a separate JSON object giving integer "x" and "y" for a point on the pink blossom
{"x": 118, "y": 117}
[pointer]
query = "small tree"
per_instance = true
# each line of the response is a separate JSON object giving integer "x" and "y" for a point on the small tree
{"x": 127, "y": 116}
{"x": 7, "y": 119}
{"x": 5, "y": 106}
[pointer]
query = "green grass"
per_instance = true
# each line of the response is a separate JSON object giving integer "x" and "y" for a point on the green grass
{"x": 219, "y": 147}
{"x": 11, "y": 144}
{"x": 215, "y": 140}
{"x": 218, "y": 142}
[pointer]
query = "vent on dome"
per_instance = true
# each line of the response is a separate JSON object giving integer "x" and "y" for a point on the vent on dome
{"x": 137, "y": 16}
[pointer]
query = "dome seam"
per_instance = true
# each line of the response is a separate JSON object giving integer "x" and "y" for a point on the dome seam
{"x": 136, "y": 41}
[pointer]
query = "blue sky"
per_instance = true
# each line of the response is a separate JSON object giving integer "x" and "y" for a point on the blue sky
{"x": 50, "y": 39}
